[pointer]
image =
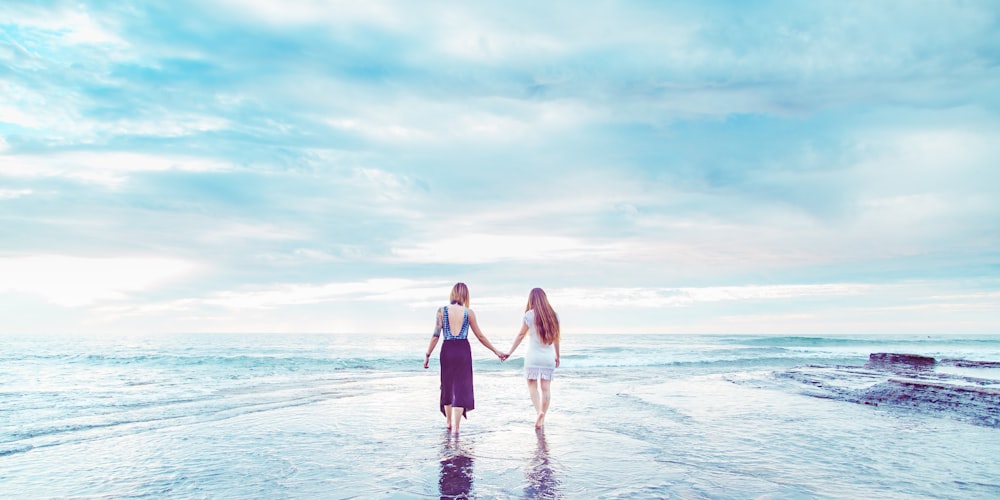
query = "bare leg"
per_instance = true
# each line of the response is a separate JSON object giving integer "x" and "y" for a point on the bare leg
{"x": 447, "y": 416}
{"x": 535, "y": 398}
{"x": 546, "y": 393}
{"x": 546, "y": 386}
{"x": 456, "y": 418}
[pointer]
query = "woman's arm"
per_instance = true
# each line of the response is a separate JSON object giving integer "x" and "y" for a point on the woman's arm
{"x": 518, "y": 338}
{"x": 479, "y": 335}
{"x": 434, "y": 340}
{"x": 557, "y": 352}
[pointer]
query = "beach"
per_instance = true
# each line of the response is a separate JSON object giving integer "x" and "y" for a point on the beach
{"x": 333, "y": 416}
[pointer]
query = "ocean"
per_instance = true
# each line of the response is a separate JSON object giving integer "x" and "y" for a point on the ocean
{"x": 632, "y": 416}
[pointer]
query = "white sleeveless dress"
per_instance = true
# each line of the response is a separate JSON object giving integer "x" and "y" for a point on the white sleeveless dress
{"x": 540, "y": 361}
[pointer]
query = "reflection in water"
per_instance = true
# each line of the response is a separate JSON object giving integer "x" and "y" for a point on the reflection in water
{"x": 456, "y": 472}
{"x": 542, "y": 482}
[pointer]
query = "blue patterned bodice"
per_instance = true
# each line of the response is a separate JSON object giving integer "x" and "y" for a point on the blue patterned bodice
{"x": 446, "y": 326}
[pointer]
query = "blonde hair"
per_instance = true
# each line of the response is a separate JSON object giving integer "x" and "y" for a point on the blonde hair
{"x": 460, "y": 294}
{"x": 546, "y": 321}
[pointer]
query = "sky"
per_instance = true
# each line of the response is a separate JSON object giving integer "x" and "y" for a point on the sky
{"x": 307, "y": 166}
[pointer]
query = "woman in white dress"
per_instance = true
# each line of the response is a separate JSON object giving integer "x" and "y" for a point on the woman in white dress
{"x": 541, "y": 325}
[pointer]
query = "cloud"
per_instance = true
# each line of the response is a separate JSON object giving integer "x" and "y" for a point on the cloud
{"x": 299, "y": 294}
{"x": 107, "y": 169}
{"x": 477, "y": 248}
{"x": 296, "y": 13}
{"x": 683, "y": 155}
{"x": 421, "y": 294}
{"x": 639, "y": 297}
{"x": 82, "y": 281}
{"x": 284, "y": 296}
{"x": 71, "y": 25}
{"x": 9, "y": 194}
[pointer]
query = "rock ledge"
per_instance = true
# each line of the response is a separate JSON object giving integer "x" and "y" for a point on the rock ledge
{"x": 909, "y": 381}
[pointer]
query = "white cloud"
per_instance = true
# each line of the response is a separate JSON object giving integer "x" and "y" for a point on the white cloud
{"x": 235, "y": 231}
{"x": 169, "y": 125}
{"x": 416, "y": 121}
{"x": 423, "y": 294}
{"x": 911, "y": 161}
{"x": 73, "y": 26}
{"x": 380, "y": 130}
{"x": 80, "y": 281}
{"x": 384, "y": 186}
{"x": 300, "y": 294}
{"x": 639, "y": 297}
{"x": 298, "y": 256}
{"x": 9, "y": 194}
{"x": 278, "y": 296}
{"x": 476, "y": 248}
{"x": 311, "y": 12}
{"x": 976, "y": 296}
{"x": 64, "y": 117}
{"x": 471, "y": 37}
{"x": 16, "y": 116}
{"x": 109, "y": 169}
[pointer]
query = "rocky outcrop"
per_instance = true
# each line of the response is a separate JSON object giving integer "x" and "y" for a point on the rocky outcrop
{"x": 978, "y": 405}
{"x": 911, "y": 382}
{"x": 964, "y": 363}
{"x": 896, "y": 362}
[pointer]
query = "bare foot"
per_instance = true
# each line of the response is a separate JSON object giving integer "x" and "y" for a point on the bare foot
{"x": 540, "y": 421}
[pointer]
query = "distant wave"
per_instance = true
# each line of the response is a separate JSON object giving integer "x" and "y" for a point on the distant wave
{"x": 586, "y": 354}
{"x": 17, "y": 449}
{"x": 244, "y": 362}
{"x": 742, "y": 363}
{"x": 745, "y": 359}
{"x": 847, "y": 340}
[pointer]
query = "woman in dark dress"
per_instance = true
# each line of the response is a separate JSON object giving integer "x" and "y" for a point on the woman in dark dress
{"x": 455, "y": 320}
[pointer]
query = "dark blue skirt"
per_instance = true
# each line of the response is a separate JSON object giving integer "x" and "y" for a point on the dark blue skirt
{"x": 456, "y": 375}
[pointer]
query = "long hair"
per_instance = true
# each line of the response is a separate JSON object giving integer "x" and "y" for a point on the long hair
{"x": 546, "y": 321}
{"x": 460, "y": 294}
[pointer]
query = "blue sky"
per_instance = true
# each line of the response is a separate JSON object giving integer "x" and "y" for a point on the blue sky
{"x": 670, "y": 167}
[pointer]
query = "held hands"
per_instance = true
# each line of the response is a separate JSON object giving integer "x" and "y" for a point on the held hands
{"x": 502, "y": 355}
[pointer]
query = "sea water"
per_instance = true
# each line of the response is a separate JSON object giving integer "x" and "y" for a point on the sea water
{"x": 356, "y": 416}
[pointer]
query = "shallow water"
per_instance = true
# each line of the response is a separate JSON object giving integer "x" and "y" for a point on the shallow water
{"x": 348, "y": 417}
